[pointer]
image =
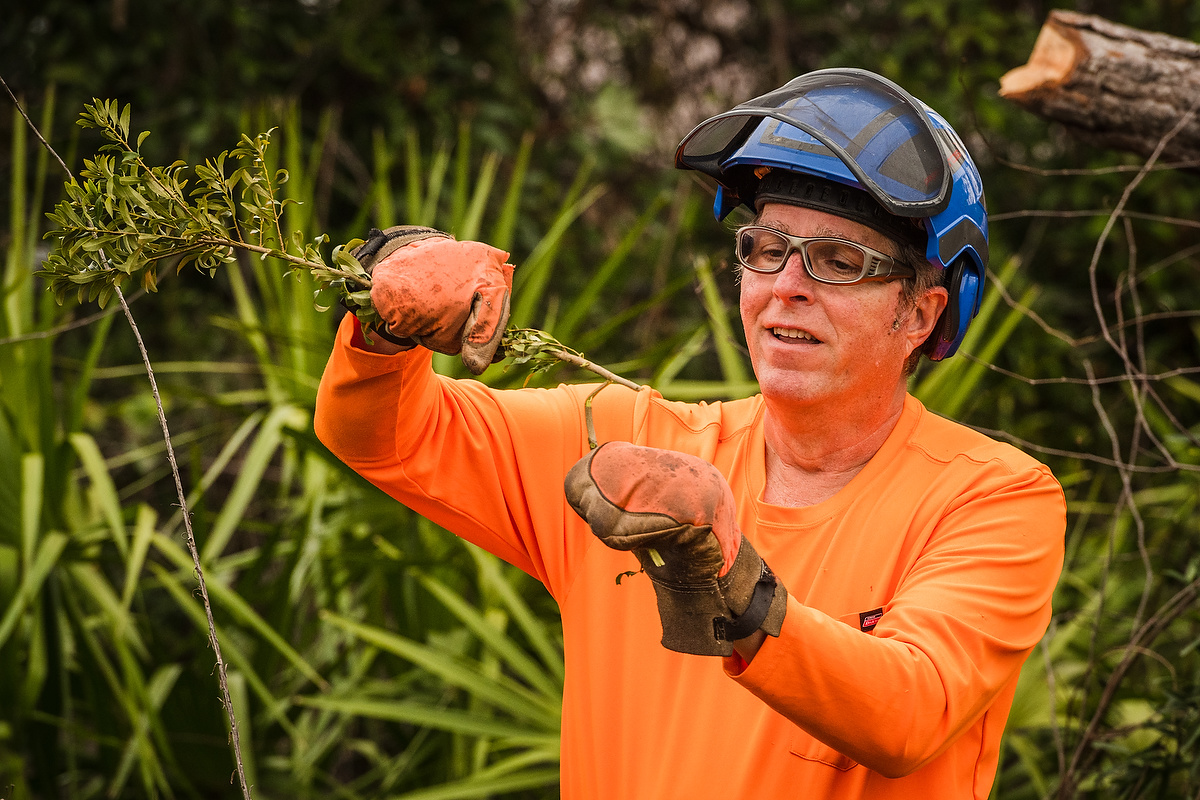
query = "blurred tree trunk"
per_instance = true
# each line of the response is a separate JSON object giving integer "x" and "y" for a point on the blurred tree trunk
{"x": 1111, "y": 85}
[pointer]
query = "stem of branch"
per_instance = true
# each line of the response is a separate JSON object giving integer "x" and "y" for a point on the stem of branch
{"x": 191, "y": 544}
{"x": 583, "y": 363}
{"x": 362, "y": 280}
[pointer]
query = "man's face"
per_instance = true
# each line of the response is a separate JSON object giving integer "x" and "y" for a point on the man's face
{"x": 812, "y": 342}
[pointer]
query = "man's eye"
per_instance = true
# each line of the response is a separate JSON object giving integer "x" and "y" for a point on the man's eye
{"x": 833, "y": 260}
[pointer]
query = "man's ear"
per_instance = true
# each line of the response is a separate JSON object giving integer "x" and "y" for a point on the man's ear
{"x": 919, "y": 322}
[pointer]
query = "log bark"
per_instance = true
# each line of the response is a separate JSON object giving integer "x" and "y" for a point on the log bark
{"x": 1111, "y": 85}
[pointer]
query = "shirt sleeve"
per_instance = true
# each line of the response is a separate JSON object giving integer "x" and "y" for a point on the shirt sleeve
{"x": 950, "y": 642}
{"x": 485, "y": 464}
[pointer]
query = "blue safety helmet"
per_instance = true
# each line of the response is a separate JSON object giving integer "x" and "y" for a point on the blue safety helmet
{"x": 855, "y": 144}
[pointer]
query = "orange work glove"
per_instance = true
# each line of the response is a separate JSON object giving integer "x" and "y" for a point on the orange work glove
{"x": 712, "y": 587}
{"x": 449, "y": 296}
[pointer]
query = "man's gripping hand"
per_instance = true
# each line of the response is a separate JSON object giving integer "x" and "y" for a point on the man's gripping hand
{"x": 676, "y": 513}
{"x": 449, "y": 296}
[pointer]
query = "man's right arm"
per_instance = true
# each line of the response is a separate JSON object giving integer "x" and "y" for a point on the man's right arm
{"x": 485, "y": 464}
{"x": 360, "y": 394}
{"x": 428, "y": 289}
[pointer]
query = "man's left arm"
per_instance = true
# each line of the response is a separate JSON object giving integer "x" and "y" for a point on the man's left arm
{"x": 968, "y": 611}
{"x": 951, "y": 639}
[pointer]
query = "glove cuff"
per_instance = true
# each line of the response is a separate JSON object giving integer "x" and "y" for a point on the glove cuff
{"x": 382, "y": 332}
{"x": 705, "y": 620}
{"x": 380, "y": 244}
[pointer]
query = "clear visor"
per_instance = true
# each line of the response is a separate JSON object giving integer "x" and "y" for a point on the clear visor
{"x": 876, "y": 129}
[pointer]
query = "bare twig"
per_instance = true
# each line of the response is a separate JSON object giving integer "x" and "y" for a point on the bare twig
{"x": 1084, "y": 752}
{"x": 82, "y": 322}
{"x": 1098, "y": 381}
{"x": 1034, "y": 447}
{"x": 1081, "y": 171}
{"x": 35, "y": 130}
{"x": 1180, "y": 603}
{"x": 226, "y": 699}
{"x": 1033, "y": 213}
{"x": 1028, "y": 312}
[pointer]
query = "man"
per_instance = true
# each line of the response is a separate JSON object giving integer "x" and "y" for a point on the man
{"x": 846, "y": 584}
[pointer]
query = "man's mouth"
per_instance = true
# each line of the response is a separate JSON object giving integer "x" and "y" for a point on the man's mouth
{"x": 793, "y": 335}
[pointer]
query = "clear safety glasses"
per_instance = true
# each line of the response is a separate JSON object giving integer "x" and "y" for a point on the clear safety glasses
{"x": 827, "y": 260}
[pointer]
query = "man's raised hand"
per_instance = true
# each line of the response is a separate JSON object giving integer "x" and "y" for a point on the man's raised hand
{"x": 449, "y": 296}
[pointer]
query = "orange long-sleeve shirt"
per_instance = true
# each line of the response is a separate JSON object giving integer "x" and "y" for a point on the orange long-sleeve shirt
{"x": 915, "y": 593}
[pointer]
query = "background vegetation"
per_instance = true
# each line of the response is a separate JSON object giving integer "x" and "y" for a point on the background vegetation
{"x": 372, "y": 655}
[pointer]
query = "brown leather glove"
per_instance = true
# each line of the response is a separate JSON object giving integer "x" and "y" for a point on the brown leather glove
{"x": 712, "y": 587}
{"x": 449, "y": 296}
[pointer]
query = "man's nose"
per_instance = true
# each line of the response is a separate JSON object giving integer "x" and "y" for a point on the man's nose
{"x": 793, "y": 282}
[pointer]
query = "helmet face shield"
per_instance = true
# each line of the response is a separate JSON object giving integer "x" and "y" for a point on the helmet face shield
{"x": 860, "y": 122}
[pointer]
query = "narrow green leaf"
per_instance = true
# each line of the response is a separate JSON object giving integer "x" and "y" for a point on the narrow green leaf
{"x": 234, "y": 655}
{"x": 217, "y": 468}
{"x": 462, "y": 178}
{"x": 549, "y": 651}
{"x": 233, "y": 603}
{"x": 412, "y": 176}
{"x": 385, "y": 213}
{"x": 52, "y": 546}
{"x": 495, "y": 639}
{"x": 468, "y": 228}
{"x": 680, "y": 358}
{"x": 510, "y": 208}
{"x": 143, "y": 531}
{"x": 88, "y": 578}
{"x": 249, "y": 479}
{"x": 534, "y": 275}
{"x": 586, "y": 300}
{"x": 733, "y": 365}
{"x": 476, "y": 787}
{"x": 104, "y": 491}
{"x": 427, "y": 214}
{"x": 33, "y": 467}
{"x": 240, "y": 698}
{"x": 501, "y": 692}
{"x": 430, "y": 716}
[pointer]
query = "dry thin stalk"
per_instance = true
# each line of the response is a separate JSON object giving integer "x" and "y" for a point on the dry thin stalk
{"x": 1084, "y": 752}
{"x": 226, "y": 700}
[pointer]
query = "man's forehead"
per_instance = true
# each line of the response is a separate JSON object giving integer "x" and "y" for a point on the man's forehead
{"x": 800, "y": 221}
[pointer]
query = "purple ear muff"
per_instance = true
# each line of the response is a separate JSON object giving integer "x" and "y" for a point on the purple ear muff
{"x": 966, "y": 289}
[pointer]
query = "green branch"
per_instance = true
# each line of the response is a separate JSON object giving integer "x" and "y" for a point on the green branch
{"x": 138, "y": 215}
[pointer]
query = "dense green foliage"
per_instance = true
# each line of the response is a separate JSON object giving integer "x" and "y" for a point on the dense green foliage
{"x": 372, "y": 655}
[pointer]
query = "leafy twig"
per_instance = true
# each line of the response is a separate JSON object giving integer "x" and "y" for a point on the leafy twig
{"x": 101, "y": 265}
{"x": 541, "y": 351}
{"x": 139, "y": 215}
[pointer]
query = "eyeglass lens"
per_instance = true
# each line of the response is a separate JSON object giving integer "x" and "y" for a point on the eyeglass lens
{"x": 764, "y": 250}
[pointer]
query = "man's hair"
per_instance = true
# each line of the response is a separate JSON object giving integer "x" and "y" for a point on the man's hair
{"x": 912, "y": 289}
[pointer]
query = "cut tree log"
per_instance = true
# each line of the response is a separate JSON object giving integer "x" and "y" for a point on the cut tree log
{"x": 1111, "y": 85}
